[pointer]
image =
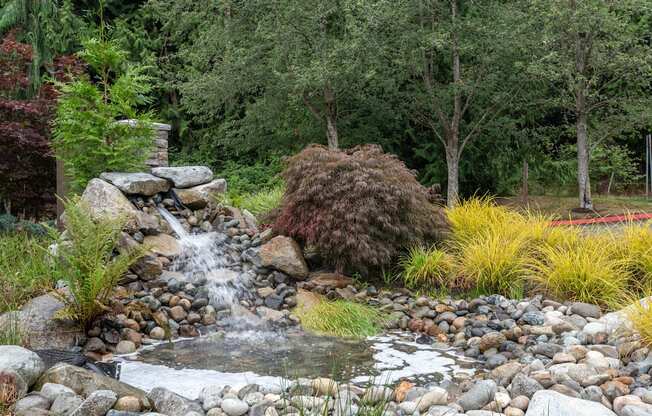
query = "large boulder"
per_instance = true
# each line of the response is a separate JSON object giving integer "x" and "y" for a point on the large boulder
{"x": 38, "y": 327}
{"x": 105, "y": 201}
{"x": 284, "y": 254}
{"x": 163, "y": 244}
{"x": 551, "y": 403}
{"x": 137, "y": 183}
{"x": 171, "y": 404}
{"x": 85, "y": 382}
{"x": 184, "y": 176}
{"x": 199, "y": 196}
{"x": 27, "y": 364}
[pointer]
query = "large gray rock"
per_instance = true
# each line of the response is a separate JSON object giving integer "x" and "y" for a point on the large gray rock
{"x": 85, "y": 382}
{"x": 586, "y": 310}
{"x": 184, "y": 176}
{"x": 32, "y": 401}
{"x": 38, "y": 327}
{"x": 136, "y": 183}
{"x": 199, "y": 196}
{"x": 96, "y": 404}
{"x": 65, "y": 404}
{"x": 105, "y": 201}
{"x": 171, "y": 404}
{"x": 551, "y": 403}
{"x": 284, "y": 254}
{"x": 23, "y": 362}
{"x": 478, "y": 396}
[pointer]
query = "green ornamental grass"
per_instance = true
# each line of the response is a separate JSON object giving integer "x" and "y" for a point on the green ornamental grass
{"x": 341, "y": 318}
{"x": 426, "y": 268}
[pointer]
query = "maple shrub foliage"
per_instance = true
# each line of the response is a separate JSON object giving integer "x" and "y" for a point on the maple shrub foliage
{"x": 27, "y": 164}
{"x": 357, "y": 207}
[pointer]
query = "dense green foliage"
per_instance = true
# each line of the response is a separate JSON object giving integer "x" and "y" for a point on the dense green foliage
{"x": 357, "y": 207}
{"x": 341, "y": 318}
{"x": 86, "y": 262}
{"x": 453, "y": 87}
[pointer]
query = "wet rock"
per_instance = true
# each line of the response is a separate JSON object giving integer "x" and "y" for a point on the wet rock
{"x": 284, "y": 254}
{"x": 478, "y": 396}
{"x": 548, "y": 403}
{"x": 172, "y": 404}
{"x": 136, "y": 183}
{"x": 200, "y": 196}
{"x": 163, "y": 244}
{"x": 27, "y": 364}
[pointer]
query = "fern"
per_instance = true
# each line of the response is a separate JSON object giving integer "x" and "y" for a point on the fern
{"x": 88, "y": 264}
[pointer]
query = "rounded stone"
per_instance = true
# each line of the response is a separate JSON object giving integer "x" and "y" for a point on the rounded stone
{"x": 125, "y": 347}
{"x": 234, "y": 407}
{"x": 128, "y": 404}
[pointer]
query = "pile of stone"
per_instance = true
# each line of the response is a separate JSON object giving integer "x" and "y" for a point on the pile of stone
{"x": 153, "y": 303}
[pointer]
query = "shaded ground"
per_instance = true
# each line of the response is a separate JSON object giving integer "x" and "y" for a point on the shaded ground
{"x": 562, "y": 207}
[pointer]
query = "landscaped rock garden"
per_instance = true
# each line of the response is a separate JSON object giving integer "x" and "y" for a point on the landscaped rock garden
{"x": 534, "y": 356}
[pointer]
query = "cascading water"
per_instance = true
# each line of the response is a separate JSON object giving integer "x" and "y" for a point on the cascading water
{"x": 205, "y": 261}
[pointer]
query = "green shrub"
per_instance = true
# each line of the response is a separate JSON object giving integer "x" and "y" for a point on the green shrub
{"x": 249, "y": 178}
{"x": 86, "y": 261}
{"x": 260, "y": 203}
{"x": 25, "y": 269}
{"x": 425, "y": 268}
{"x": 341, "y": 318}
{"x": 587, "y": 271}
{"x": 358, "y": 207}
{"x": 7, "y": 223}
{"x": 87, "y": 137}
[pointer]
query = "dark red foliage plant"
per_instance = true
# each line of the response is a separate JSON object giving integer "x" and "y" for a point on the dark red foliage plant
{"x": 27, "y": 164}
{"x": 358, "y": 207}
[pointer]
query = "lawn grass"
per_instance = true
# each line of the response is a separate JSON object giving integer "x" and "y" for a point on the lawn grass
{"x": 561, "y": 207}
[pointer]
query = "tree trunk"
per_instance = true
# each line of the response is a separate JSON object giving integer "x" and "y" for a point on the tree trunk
{"x": 583, "y": 180}
{"x": 331, "y": 118}
{"x": 453, "y": 188}
{"x": 331, "y": 132}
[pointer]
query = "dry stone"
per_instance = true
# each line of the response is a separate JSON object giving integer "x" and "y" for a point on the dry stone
{"x": 136, "y": 183}
{"x": 184, "y": 176}
{"x": 284, "y": 254}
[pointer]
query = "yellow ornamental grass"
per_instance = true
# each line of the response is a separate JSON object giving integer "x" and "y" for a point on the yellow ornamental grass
{"x": 426, "y": 268}
{"x": 474, "y": 216}
{"x": 495, "y": 264}
{"x": 586, "y": 271}
{"x": 636, "y": 250}
{"x": 639, "y": 313}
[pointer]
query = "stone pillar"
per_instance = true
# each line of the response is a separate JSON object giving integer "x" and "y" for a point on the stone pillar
{"x": 159, "y": 156}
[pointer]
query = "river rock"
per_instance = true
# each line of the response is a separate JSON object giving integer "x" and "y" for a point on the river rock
{"x": 171, "y": 404}
{"x": 136, "y": 183}
{"x": 334, "y": 280}
{"x": 586, "y": 310}
{"x": 435, "y": 397}
{"x": 551, "y": 403}
{"x": 85, "y": 382}
{"x": 163, "y": 244}
{"x": 184, "y": 176}
{"x": 65, "y": 404}
{"x": 96, "y": 404}
{"x": 37, "y": 324}
{"x": 478, "y": 396}
{"x": 199, "y": 196}
{"x": 127, "y": 404}
{"x": 234, "y": 407}
{"x": 27, "y": 364}
{"x": 105, "y": 201}
{"x": 52, "y": 391}
{"x": 284, "y": 254}
{"x": 523, "y": 385}
{"x": 32, "y": 401}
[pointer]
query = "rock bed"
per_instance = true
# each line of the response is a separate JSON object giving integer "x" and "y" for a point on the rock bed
{"x": 540, "y": 357}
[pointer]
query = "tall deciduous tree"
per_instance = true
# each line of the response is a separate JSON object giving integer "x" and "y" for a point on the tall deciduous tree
{"x": 597, "y": 56}
{"x": 462, "y": 58}
{"x": 312, "y": 55}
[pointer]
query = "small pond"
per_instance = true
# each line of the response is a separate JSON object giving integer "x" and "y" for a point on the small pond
{"x": 269, "y": 358}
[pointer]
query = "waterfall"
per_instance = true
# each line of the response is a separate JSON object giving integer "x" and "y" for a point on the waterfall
{"x": 205, "y": 261}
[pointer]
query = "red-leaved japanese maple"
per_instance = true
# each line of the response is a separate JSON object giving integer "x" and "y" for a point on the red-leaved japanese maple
{"x": 27, "y": 164}
{"x": 358, "y": 207}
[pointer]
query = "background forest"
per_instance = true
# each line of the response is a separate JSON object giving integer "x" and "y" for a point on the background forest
{"x": 463, "y": 91}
